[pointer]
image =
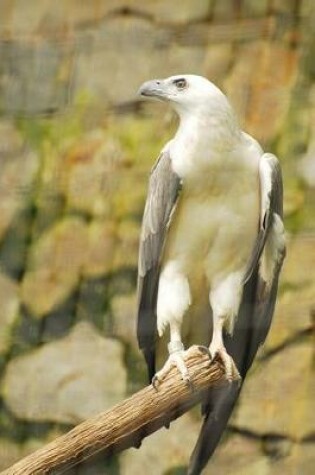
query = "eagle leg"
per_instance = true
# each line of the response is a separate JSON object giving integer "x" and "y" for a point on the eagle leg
{"x": 217, "y": 348}
{"x": 225, "y": 298}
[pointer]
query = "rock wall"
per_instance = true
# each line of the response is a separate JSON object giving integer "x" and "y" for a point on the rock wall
{"x": 75, "y": 150}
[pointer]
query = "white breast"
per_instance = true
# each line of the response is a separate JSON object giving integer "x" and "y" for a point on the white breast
{"x": 216, "y": 221}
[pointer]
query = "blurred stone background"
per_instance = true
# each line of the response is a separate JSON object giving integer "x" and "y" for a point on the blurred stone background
{"x": 75, "y": 151}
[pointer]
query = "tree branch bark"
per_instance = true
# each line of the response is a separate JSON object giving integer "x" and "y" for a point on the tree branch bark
{"x": 127, "y": 423}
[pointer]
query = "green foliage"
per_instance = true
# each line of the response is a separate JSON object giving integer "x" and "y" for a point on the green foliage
{"x": 56, "y": 129}
{"x": 142, "y": 138}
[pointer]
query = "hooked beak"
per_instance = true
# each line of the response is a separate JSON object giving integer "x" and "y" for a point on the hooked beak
{"x": 155, "y": 89}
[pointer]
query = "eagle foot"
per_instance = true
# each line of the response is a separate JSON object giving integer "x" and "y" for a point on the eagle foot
{"x": 176, "y": 358}
{"x": 231, "y": 370}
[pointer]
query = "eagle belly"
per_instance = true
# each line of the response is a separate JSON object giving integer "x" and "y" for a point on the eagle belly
{"x": 210, "y": 239}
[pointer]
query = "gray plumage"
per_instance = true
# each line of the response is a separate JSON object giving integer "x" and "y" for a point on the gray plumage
{"x": 163, "y": 191}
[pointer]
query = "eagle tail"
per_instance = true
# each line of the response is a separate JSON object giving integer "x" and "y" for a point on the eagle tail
{"x": 149, "y": 356}
{"x": 222, "y": 402}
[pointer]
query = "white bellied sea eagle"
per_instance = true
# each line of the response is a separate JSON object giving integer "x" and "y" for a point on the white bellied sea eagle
{"x": 212, "y": 232}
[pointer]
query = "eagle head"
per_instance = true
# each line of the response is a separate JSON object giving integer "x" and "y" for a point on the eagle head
{"x": 186, "y": 93}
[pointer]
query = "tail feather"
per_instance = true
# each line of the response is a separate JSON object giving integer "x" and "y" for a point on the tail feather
{"x": 222, "y": 402}
{"x": 149, "y": 356}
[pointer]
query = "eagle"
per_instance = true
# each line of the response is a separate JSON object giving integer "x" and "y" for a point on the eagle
{"x": 212, "y": 238}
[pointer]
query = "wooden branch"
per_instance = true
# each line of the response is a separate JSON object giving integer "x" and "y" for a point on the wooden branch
{"x": 127, "y": 423}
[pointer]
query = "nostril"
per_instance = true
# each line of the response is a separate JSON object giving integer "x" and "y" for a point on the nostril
{"x": 158, "y": 82}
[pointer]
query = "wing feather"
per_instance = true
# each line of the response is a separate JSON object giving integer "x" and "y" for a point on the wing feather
{"x": 163, "y": 192}
{"x": 271, "y": 199}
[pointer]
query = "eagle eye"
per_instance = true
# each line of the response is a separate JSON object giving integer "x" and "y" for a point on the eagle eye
{"x": 180, "y": 83}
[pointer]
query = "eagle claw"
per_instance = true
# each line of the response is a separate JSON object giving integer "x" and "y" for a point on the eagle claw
{"x": 231, "y": 370}
{"x": 205, "y": 350}
{"x": 155, "y": 382}
{"x": 176, "y": 358}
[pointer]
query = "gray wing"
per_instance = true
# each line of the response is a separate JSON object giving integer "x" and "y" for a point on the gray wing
{"x": 271, "y": 198}
{"x": 256, "y": 310}
{"x": 265, "y": 272}
{"x": 164, "y": 187}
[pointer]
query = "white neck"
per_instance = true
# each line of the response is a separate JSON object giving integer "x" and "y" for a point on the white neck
{"x": 219, "y": 131}
{"x": 203, "y": 138}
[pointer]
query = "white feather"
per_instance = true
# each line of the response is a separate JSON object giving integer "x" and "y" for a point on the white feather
{"x": 273, "y": 251}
